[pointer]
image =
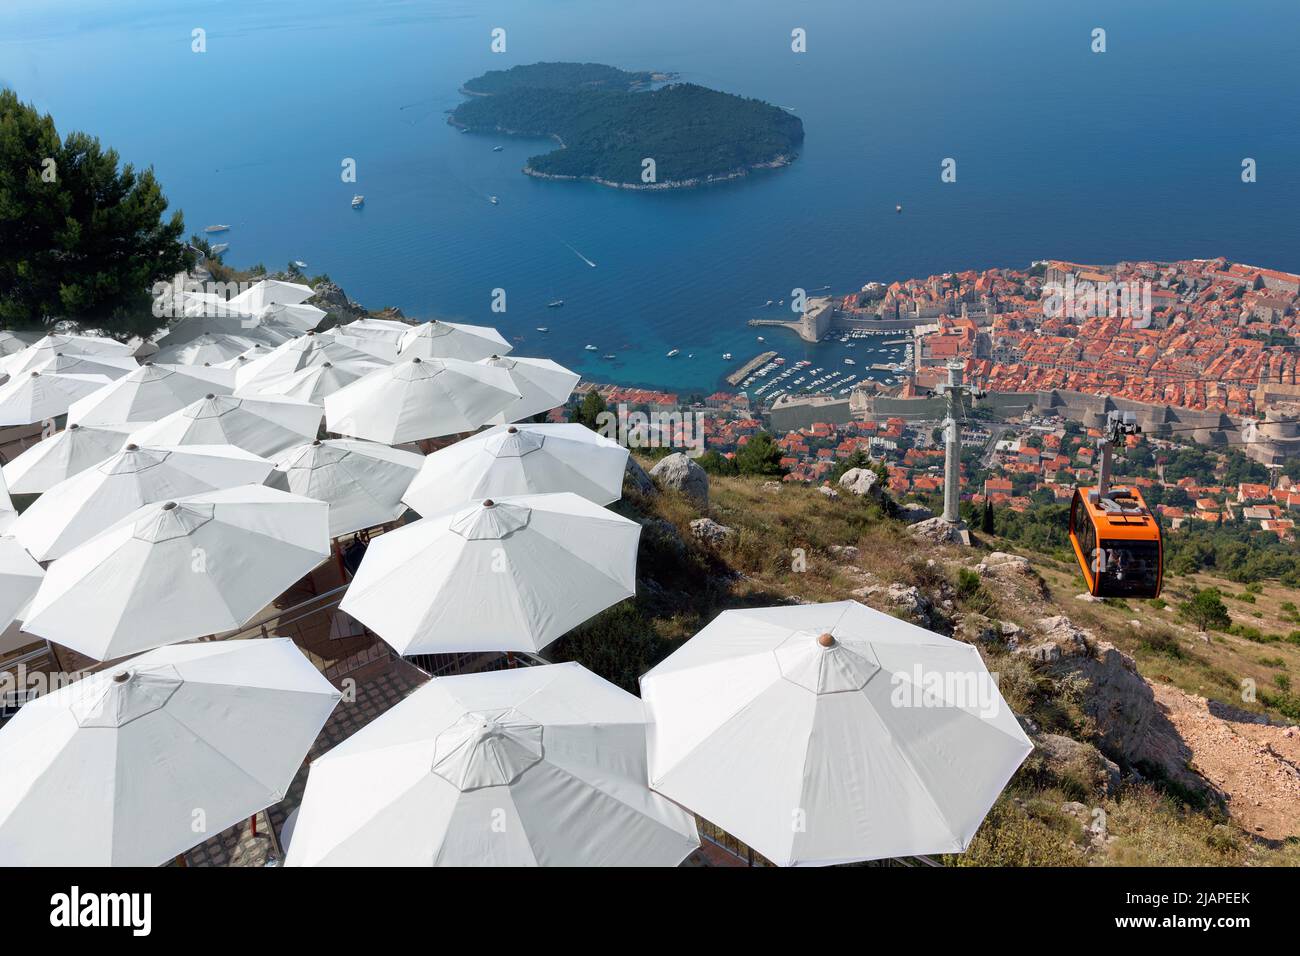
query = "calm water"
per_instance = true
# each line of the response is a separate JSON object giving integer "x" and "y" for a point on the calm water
{"x": 1134, "y": 153}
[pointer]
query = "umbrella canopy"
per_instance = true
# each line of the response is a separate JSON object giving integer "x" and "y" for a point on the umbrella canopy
{"x": 139, "y": 762}
{"x": 42, "y": 466}
{"x": 361, "y": 481}
{"x": 146, "y": 395}
{"x": 79, "y": 507}
{"x": 441, "y": 340}
{"x": 539, "y": 766}
{"x": 20, "y": 576}
{"x": 271, "y": 292}
{"x": 38, "y": 394}
{"x": 296, "y": 354}
{"x": 224, "y": 324}
{"x": 207, "y": 348}
{"x": 48, "y": 346}
{"x": 418, "y": 399}
{"x": 181, "y": 569}
{"x": 8, "y": 515}
{"x": 313, "y": 383}
{"x": 261, "y": 425}
{"x": 11, "y": 342}
{"x": 379, "y": 337}
{"x": 542, "y": 385}
{"x": 508, "y": 575}
{"x": 520, "y": 460}
{"x": 299, "y": 316}
{"x": 827, "y": 733}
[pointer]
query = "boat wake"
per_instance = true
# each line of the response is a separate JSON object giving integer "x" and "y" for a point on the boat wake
{"x": 579, "y": 254}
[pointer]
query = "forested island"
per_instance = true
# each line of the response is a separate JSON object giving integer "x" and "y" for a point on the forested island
{"x": 610, "y": 121}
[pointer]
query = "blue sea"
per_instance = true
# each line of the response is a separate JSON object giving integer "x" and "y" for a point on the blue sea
{"x": 1060, "y": 152}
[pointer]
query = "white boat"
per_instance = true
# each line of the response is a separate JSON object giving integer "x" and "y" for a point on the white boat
{"x": 590, "y": 348}
{"x": 493, "y": 200}
{"x": 556, "y": 304}
{"x": 300, "y": 264}
{"x": 726, "y": 356}
{"x": 497, "y": 149}
{"x": 609, "y": 356}
{"x": 358, "y": 201}
{"x": 850, "y": 362}
{"x": 760, "y": 338}
{"x": 219, "y": 248}
{"x": 542, "y": 328}
{"x": 217, "y": 228}
{"x": 673, "y": 352}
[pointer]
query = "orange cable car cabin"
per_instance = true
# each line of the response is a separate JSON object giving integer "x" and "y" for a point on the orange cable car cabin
{"x": 1117, "y": 542}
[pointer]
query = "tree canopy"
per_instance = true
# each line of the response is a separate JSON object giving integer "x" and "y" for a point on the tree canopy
{"x": 80, "y": 238}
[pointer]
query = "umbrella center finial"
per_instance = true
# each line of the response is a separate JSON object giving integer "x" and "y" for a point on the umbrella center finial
{"x": 121, "y": 677}
{"x": 826, "y": 640}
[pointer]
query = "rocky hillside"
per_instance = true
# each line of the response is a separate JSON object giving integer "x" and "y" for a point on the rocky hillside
{"x": 1144, "y": 754}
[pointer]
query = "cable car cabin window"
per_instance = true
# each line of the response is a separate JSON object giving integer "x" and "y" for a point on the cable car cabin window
{"x": 1084, "y": 531}
{"x": 1125, "y": 568}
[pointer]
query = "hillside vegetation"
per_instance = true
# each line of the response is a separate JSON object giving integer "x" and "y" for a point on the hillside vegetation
{"x": 1096, "y": 790}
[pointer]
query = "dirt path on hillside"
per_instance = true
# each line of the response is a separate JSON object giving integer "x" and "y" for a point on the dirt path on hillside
{"x": 1256, "y": 765}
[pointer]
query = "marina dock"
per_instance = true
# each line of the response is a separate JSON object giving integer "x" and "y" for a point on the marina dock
{"x": 757, "y": 362}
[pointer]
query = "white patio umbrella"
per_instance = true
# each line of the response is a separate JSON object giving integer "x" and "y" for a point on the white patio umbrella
{"x": 441, "y": 340}
{"x": 251, "y": 354}
{"x": 361, "y": 481}
{"x": 37, "y": 395}
{"x": 313, "y": 383}
{"x": 222, "y": 325}
{"x": 314, "y": 348}
{"x": 147, "y": 394}
{"x": 418, "y": 399}
{"x": 8, "y": 515}
{"x": 827, "y": 733}
{"x": 520, "y": 460}
{"x": 20, "y": 576}
{"x": 42, "y": 466}
{"x": 508, "y": 575}
{"x": 79, "y": 507}
{"x": 109, "y": 367}
{"x": 296, "y": 315}
{"x": 271, "y": 292}
{"x": 141, "y": 761}
{"x": 542, "y": 385}
{"x": 207, "y": 348}
{"x": 380, "y": 337}
{"x": 263, "y": 425}
{"x": 11, "y": 342}
{"x": 539, "y": 766}
{"x": 48, "y": 346}
{"x": 180, "y": 569}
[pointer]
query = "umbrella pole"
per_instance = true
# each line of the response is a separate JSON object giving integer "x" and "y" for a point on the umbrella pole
{"x": 338, "y": 555}
{"x": 252, "y": 822}
{"x": 510, "y": 660}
